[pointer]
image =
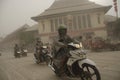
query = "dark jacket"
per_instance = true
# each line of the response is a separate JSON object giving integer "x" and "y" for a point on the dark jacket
{"x": 59, "y": 45}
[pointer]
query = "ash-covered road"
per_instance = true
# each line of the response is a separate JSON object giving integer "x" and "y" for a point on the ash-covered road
{"x": 26, "y": 69}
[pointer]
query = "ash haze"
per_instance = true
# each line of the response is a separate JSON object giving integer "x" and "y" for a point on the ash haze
{"x": 15, "y": 13}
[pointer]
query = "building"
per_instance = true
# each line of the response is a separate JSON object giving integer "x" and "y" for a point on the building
{"x": 33, "y": 33}
{"x": 13, "y": 38}
{"x": 109, "y": 18}
{"x": 33, "y": 30}
{"x": 82, "y": 18}
{"x": 109, "y": 21}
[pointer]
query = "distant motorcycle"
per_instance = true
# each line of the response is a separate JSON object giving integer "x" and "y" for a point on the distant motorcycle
{"x": 77, "y": 64}
{"x": 24, "y": 52}
{"x": 41, "y": 55}
{"x": 17, "y": 54}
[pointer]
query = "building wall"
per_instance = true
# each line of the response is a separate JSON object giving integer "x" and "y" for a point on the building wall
{"x": 101, "y": 33}
{"x": 44, "y": 26}
{"x": 95, "y": 22}
{"x": 75, "y": 22}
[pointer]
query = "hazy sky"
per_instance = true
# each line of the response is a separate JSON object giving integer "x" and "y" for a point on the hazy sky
{"x": 15, "y": 13}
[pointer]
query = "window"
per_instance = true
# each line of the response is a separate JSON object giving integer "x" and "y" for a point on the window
{"x": 56, "y": 24}
{"x": 98, "y": 18}
{"x": 52, "y": 26}
{"x": 79, "y": 22}
{"x": 84, "y": 21}
{"x": 70, "y": 24}
{"x": 70, "y": 21}
{"x": 74, "y": 22}
{"x": 65, "y": 21}
{"x": 89, "y": 20}
{"x": 43, "y": 25}
{"x": 60, "y": 20}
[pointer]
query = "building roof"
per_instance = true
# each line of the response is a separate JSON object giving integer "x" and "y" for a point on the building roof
{"x": 109, "y": 18}
{"x": 33, "y": 28}
{"x": 63, "y": 6}
{"x": 16, "y": 32}
{"x": 21, "y": 28}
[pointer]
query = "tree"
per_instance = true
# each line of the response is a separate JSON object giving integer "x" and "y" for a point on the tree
{"x": 116, "y": 30}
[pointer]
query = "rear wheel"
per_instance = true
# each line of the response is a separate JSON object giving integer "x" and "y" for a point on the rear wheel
{"x": 17, "y": 55}
{"x": 37, "y": 61}
{"x": 90, "y": 72}
{"x": 24, "y": 54}
{"x": 48, "y": 60}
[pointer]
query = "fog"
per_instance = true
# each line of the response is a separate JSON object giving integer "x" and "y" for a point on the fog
{"x": 15, "y": 13}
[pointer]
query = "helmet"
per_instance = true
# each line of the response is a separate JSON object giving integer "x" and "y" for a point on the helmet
{"x": 62, "y": 30}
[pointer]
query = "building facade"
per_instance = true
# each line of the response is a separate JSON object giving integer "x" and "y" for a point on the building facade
{"x": 13, "y": 38}
{"x": 82, "y": 18}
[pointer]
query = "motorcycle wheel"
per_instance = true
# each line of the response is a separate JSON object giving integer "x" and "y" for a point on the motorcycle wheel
{"x": 24, "y": 54}
{"x": 90, "y": 72}
{"x": 17, "y": 56}
{"x": 56, "y": 71}
{"x": 37, "y": 61}
{"x": 48, "y": 60}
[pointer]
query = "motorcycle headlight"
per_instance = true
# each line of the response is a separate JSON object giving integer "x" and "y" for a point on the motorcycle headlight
{"x": 44, "y": 46}
{"x": 18, "y": 52}
{"x": 81, "y": 45}
{"x": 77, "y": 45}
{"x": 25, "y": 51}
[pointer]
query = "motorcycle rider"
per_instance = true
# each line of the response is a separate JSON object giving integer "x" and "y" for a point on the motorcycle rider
{"x": 23, "y": 50}
{"x": 22, "y": 47}
{"x": 60, "y": 47}
{"x": 38, "y": 47}
{"x": 16, "y": 48}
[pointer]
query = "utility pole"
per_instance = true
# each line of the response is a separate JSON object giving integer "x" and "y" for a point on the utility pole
{"x": 115, "y": 8}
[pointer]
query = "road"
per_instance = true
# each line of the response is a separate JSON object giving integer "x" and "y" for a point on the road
{"x": 108, "y": 63}
{"x": 26, "y": 69}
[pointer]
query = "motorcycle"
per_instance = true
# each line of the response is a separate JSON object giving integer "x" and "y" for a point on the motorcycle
{"x": 41, "y": 55}
{"x": 77, "y": 64}
{"x": 24, "y": 52}
{"x": 17, "y": 54}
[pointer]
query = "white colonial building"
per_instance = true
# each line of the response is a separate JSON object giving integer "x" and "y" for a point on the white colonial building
{"x": 82, "y": 18}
